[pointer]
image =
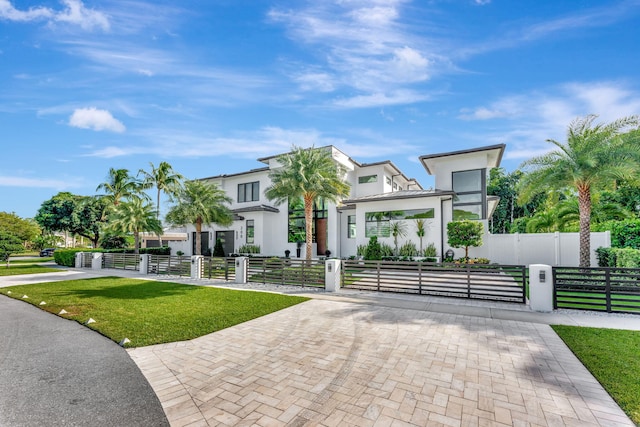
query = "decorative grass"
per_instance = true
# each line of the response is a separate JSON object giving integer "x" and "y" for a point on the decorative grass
{"x": 612, "y": 356}
{"x": 148, "y": 312}
{"x": 15, "y": 270}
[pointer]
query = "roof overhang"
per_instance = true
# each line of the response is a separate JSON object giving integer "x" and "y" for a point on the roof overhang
{"x": 493, "y": 152}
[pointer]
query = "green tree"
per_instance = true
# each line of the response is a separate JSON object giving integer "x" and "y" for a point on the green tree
{"x": 397, "y": 229}
{"x": 465, "y": 234}
{"x": 421, "y": 231}
{"x": 119, "y": 185}
{"x": 200, "y": 203}
{"x": 27, "y": 230}
{"x": 134, "y": 216}
{"x": 9, "y": 245}
{"x": 308, "y": 174}
{"x": 165, "y": 180}
{"x": 82, "y": 215}
{"x": 594, "y": 157}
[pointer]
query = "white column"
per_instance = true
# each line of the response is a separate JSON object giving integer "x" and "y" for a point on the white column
{"x": 144, "y": 263}
{"x": 332, "y": 275}
{"x": 541, "y": 288}
{"x": 78, "y": 260}
{"x": 241, "y": 269}
{"x": 196, "y": 264}
{"x": 96, "y": 261}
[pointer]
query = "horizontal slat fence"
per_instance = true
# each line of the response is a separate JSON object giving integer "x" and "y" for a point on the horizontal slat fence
{"x": 610, "y": 289}
{"x": 218, "y": 268}
{"x": 286, "y": 271}
{"x": 171, "y": 265}
{"x": 121, "y": 261}
{"x": 474, "y": 281}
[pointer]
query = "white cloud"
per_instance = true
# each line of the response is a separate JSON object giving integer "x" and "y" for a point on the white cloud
{"x": 380, "y": 99}
{"x": 9, "y": 12}
{"x": 74, "y": 12}
{"x": 14, "y": 181}
{"x": 98, "y": 120}
{"x": 362, "y": 46}
{"x": 526, "y": 121}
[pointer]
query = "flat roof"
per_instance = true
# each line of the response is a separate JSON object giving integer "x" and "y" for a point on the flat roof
{"x": 229, "y": 175}
{"x": 498, "y": 150}
{"x": 398, "y": 195}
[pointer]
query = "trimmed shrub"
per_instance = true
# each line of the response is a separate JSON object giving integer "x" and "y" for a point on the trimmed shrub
{"x": 249, "y": 249}
{"x": 373, "y": 251}
{"x": 627, "y": 257}
{"x": 67, "y": 257}
{"x": 408, "y": 249}
{"x": 606, "y": 257}
{"x": 218, "y": 249}
{"x": 624, "y": 234}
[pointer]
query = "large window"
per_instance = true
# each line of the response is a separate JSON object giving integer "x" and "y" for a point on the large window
{"x": 351, "y": 227}
{"x": 249, "y": 192}
{"x": 379, "y": 223}
{"x": 470, "y": 200}
{"x": 297, "y": 231}
{"x": 367, "y": 179}
{"x": 250, "y": 231}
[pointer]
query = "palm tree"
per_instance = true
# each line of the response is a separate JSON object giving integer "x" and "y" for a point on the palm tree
{"x": 164, "y": 179}
{"x": 120, "y": 185}
{"x": 398, "y": 229}
{"x": 594, "y": 157}
{"x": 421, "y": 231}
{"x": 307, "y": 174}
{"x": 134, "y": 216}
{"x": 199, "y": 203}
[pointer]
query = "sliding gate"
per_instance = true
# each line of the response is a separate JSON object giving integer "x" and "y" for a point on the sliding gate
{"x": 475, "y": 281}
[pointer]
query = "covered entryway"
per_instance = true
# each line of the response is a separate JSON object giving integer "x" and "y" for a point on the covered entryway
{"x": 204, "y": 244}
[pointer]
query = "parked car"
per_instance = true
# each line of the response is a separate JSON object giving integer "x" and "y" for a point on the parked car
{"x": 47, "y": 252}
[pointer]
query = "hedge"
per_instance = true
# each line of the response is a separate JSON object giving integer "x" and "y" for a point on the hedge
{"x": 67, "y": 257}
{"x": 618, "y": 257}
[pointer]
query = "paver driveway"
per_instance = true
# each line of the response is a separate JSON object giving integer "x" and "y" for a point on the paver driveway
{"x": 340, "y": 363}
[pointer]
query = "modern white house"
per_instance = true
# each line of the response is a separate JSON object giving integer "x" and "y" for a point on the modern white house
{"x": 380, "y": 194}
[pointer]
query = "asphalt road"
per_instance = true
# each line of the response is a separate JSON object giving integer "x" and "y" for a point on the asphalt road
{"x": 56, "y": 372}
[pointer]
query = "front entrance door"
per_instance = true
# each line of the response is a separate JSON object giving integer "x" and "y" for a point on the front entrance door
{"x": 227, "y": 238}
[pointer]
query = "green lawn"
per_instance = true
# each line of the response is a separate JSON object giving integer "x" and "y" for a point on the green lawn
{"x": 14, "y": 270}
{"x": 613, "y": 357}
{"x": 148, "y": 312}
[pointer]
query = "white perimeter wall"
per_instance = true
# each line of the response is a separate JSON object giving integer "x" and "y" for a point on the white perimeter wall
{"x": 556, "y": 249}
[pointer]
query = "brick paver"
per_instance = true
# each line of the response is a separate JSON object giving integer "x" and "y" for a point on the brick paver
{"x": 330, "y": 363}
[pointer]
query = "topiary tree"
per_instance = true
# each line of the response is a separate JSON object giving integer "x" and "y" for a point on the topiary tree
{"x": 465, "y": 234}
{"x": 218, "y": 249}
{"x": 373, "y": 251}
{"x": 9, "y": 244}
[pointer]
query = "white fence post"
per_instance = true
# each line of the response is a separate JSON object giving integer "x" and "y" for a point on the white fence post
{"x": 96, "y": 261}
{"x": 332, "y": 275}
{"x": 541, "y": 287}
{"x": 78, "y": 260}
{"x": 196, "y": 266}
{"x": 241, "y": 269}
{"x": 144, "y": 263}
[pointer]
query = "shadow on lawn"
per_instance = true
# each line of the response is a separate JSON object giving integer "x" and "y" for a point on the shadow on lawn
{"x": 139, "y": 290}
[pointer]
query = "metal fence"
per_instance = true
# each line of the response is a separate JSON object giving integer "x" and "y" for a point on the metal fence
{"x": 610, "y": 289}
{"x": 171, "y": 265}
{"x": 218, "y": 268}
{"x": 475, "y": 281}
{"x": 286, "y": 271}
{"x": 121, "y": 261}
{"x": 86, "y": 259}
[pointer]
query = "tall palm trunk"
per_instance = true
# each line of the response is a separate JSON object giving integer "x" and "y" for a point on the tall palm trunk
{"x": 308, "y": 225}
{"x": 198, "y": 237}
{"x": 136, "y": 242}
{"x": 158, "y": 216}
{"x": 584, "y": 205}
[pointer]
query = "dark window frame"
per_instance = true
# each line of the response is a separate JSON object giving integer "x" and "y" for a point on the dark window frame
{"x": 250, "y": 236}
{"x": 482, "y": 192}
{"x": 249, "y": 192}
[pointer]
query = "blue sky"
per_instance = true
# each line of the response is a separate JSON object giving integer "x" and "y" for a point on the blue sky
{"x": 212, "y": 85}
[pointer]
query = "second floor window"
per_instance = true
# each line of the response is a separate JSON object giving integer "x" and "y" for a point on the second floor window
{"x": 249, "y": 192}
